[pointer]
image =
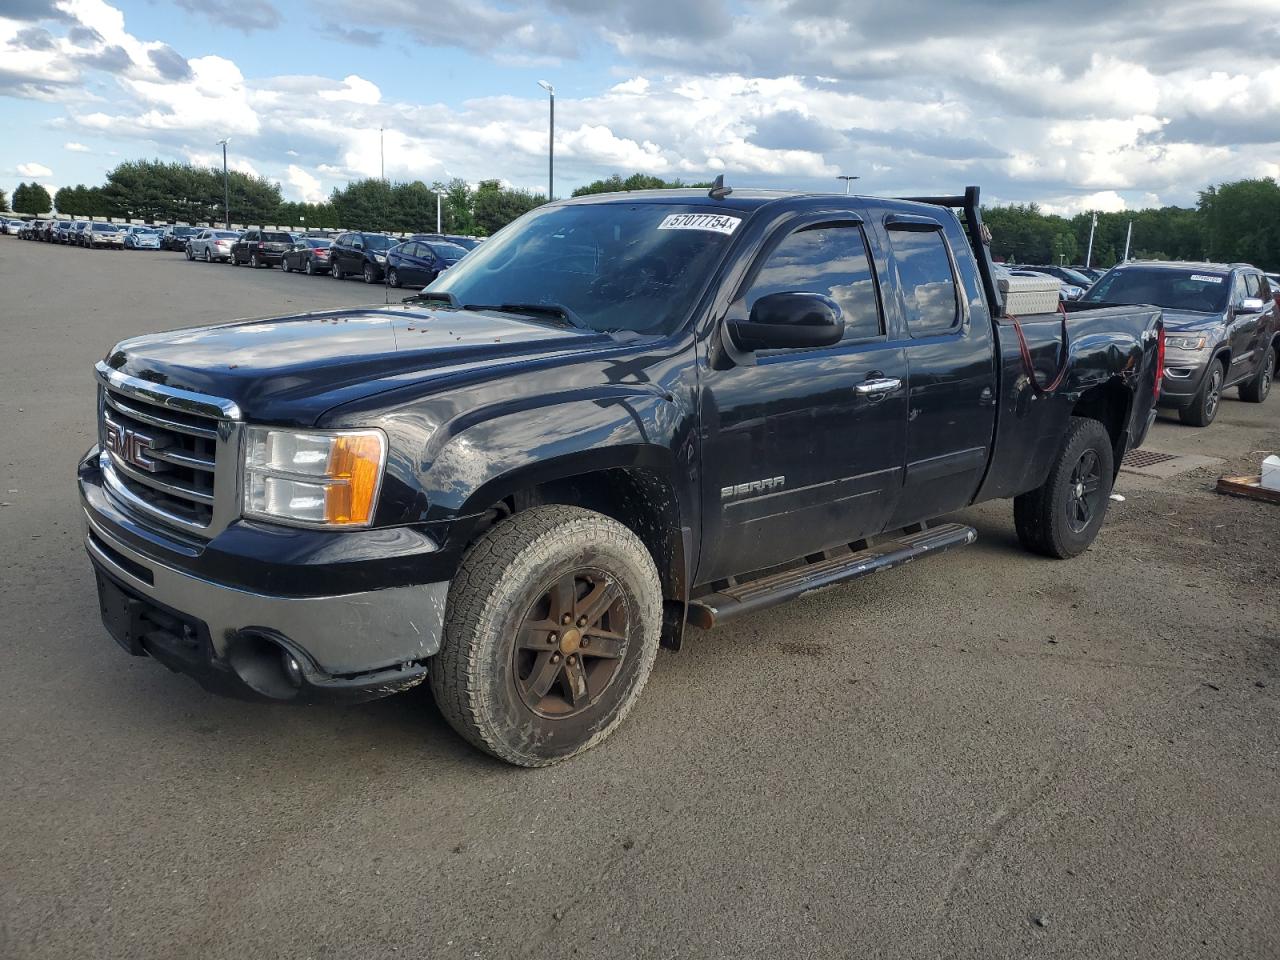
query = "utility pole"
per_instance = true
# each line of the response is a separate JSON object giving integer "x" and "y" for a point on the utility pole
{"x": 226, "y": 184}
{"x": 438, "y": 211}
{"x": 1127, "y": 237}
{"x": 847, "y": 181}
{"x": 551, "y": 140}
{"x": 1088, "y": 255}
{"x": 382, "y": 155}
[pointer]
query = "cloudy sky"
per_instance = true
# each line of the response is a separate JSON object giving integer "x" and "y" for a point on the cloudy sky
{"x": 1093, "y": 104}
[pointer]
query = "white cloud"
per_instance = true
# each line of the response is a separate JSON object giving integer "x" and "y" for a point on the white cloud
{"x": 75, "y": 147}
{"x": 305, "y": 187}
{"x": 34, "y": 170}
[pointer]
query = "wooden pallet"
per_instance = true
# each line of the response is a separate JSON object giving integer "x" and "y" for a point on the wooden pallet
{"x": 1248, "y": 487}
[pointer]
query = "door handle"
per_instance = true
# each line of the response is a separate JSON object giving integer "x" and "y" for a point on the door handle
{"x": 877, "y": 386}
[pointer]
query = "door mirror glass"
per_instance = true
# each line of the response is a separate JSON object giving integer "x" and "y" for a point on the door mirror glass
{"x": 1251, "y": 305}
{"x": 782, "y": 321}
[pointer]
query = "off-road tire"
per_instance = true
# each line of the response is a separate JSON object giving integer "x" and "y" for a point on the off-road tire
{"x": 1041, "y": 515}
{"x": 1256, "y": 388}
{"x": 499, "y": 580}
{"x": 1201, "y": 412}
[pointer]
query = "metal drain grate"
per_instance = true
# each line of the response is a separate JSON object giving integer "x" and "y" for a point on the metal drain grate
{"x": 1138, "y": 459}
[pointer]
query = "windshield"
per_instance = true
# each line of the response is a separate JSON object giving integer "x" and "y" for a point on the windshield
{"x": 376, "y": 241}
{"x": 184, "y": 231}
{"x": 1074, "y": 276}
{"x": 105, "y": 228}
{"x": 1201, "y": 291}
{"x": 447, "y": 251}
{"x": 466, "y": 243}
{"x": 615, "y": 266}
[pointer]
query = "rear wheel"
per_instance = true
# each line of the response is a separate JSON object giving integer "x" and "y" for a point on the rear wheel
{"x": 309, "y": 269}
{"x": 254, "y": 261}
{"x": 1204, "y": 405}
{"x": 550, "y": 634}
{"x": 335, "y": 271}
{"x": 1257, "y": 387}
{"x": 208, "y": 257}
{"x": 1062, "y": 517}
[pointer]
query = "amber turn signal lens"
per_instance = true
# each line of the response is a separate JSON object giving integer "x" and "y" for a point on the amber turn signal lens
{"x": 357, "y": 460}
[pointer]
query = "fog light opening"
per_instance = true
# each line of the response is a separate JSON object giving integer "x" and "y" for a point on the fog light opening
{"x": 266, "y": 666}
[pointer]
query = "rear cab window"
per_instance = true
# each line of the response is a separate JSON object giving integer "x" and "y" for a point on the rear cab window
{"x": 926, "y": 281}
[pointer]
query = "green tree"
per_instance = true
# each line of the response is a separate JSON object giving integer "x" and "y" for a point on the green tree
{"x": 637, "y": 181}
{"x": 456, "y": 213}
{"x": 494, "y": 206}
{"x": 363, "y": 204}
{"x": 4, "y": 202}
{"x": 1241, "y": 222}
{"x": 31, "y": 198}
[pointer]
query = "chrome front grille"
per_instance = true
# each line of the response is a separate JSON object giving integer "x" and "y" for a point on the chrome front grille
{"x": 169, "y": 455}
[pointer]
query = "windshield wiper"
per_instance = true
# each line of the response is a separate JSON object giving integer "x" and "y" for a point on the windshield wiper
{"x": 557, "y": 310}
{"x": 442, "y": 295}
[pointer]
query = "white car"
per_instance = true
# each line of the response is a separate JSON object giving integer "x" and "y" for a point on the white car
{"x": 11, "y": 227}
{"x": 210, "y": 245}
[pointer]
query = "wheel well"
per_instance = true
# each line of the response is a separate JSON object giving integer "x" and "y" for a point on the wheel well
{"x": 640, "y": 500}
{"x": 1108, "y": 403}
{"x": 1223, "y": 357}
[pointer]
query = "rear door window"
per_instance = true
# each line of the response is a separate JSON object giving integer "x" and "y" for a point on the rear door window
{"x": 926, "y": 282}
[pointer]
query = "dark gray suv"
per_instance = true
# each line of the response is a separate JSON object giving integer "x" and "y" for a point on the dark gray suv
{"x": 1222, "y": 329}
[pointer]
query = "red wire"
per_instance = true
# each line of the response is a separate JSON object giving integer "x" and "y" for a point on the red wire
{"x": 1029, "y": 365}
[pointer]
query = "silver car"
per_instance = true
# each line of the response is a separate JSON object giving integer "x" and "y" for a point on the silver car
{"x": 210, "y": 245}
{"x": 104, "y": 235}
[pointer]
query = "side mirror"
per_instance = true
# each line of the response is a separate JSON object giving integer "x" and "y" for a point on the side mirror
{"x": 1251, "y": 305}
{"x": 789, "y": 321}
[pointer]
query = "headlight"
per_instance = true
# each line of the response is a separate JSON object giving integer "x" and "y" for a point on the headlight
{"x": 1185, "y": 343}
{"x": 380, "y": 257}
{"x": 322, "y": 478}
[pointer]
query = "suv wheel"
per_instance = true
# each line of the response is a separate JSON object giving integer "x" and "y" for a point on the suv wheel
{"x": 190, "y": 255}
{"x": 368, "y": 273}
{"x": 1063, "y": 516}
{"x": 1204, "y": 406}
{"x": 550, "y": 634}
{"x": 393, "y": 278}
{"x": 254, "y": 261}
{"x": 335, "y": 271}
{"x": 1256, "y": 388}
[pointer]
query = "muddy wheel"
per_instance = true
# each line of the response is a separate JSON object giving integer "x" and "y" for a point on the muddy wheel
{"x": 1062, "y": 517}
{"x": 550, "y": 634}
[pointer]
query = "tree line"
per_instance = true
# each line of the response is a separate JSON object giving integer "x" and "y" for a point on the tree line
{"x": 1238, "y": 221}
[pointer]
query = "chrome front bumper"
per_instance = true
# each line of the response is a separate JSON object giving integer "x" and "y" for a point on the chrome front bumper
{"x": 345, "y": 634}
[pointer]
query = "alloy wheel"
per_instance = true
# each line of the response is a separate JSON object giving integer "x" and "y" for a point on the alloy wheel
{"x": 1084, "y": 492}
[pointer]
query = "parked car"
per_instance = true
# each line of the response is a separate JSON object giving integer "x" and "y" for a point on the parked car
{"x": 62, "y": 231}
{"x": 415, "y": 263}
{"x": 1093, "y": 273}
{"x": 11, "y": 227}
{"x": 260, "y": 248}
{"x": 210, "y": 245}
{"x": 1273, "y": 281}
{"x": 512, "y": 453}
{"x": 362, "y": 254}
{"x": 33, "y": 230}
{"x": 1075, "y": 279}
{"x": 175, "y": 238}
{"x": 466, "y": 243}
{"x": 309, "y": 255}
{"x": 141, "y": 238}
{"x": 1223, "y": 329}
{"x": 107, "y": 235}
{"x": 1066, "y": 291}
{"x": 78, "y": 231}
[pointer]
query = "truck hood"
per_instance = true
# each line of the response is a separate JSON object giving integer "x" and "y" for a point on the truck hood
{"x": 290, "y": 370}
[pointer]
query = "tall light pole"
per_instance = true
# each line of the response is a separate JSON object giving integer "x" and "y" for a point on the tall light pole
{"x": 847, "y": 180}
{"x": 551, "y": 141}
{"x": 226, "y": 183}
{"x": 1088, "y": 253}
{"x": 382, "y": 155}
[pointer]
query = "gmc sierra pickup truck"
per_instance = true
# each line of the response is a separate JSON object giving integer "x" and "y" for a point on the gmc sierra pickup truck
{"x": 621, "y": 415}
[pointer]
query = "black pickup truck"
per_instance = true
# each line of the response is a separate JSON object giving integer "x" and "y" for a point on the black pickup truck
{"x": 621, "y": 415}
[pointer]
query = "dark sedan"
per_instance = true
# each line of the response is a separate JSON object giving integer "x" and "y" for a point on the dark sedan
{"x": 175, "y": 238}
{"x": 416, "y": 263}
{"x": 1221, "y": 329}
{"x": 309, "y": 255}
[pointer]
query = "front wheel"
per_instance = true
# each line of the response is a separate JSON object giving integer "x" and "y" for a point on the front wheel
{"x": 1204, "y": 405}
{"x": 368, "y": 273}
{"x": 190, "y": 255}
{"x": 1256, "y": 388}
{"x": 335, "y": 271}
{"x": 393, "y": 278}
{"x": 1062, "y": 517}
{"x": 550, "y": 634}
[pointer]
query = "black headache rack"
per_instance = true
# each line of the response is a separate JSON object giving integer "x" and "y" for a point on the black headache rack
{"x": 979, "y": 239}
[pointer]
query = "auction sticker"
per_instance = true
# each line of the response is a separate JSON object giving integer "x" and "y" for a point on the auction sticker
{"x": 1205, "y": 279}
{"x": 711, "y": 222}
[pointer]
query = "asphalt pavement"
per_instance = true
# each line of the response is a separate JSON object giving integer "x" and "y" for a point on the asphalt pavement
{"x": 982, "y": 755}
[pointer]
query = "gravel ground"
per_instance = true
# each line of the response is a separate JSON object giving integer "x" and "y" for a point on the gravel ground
{"x": 983, "y": 755}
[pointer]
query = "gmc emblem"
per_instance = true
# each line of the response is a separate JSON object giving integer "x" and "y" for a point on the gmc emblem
{"x": 130, "y": 446}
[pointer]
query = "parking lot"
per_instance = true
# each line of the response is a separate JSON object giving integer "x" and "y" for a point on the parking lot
{"x": 986, "y": 754}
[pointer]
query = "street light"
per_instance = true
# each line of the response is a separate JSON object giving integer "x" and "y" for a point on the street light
{"x": 847, "y": 180}
{"x": 551, "y": 140}
{"x": 226, "y": 183}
